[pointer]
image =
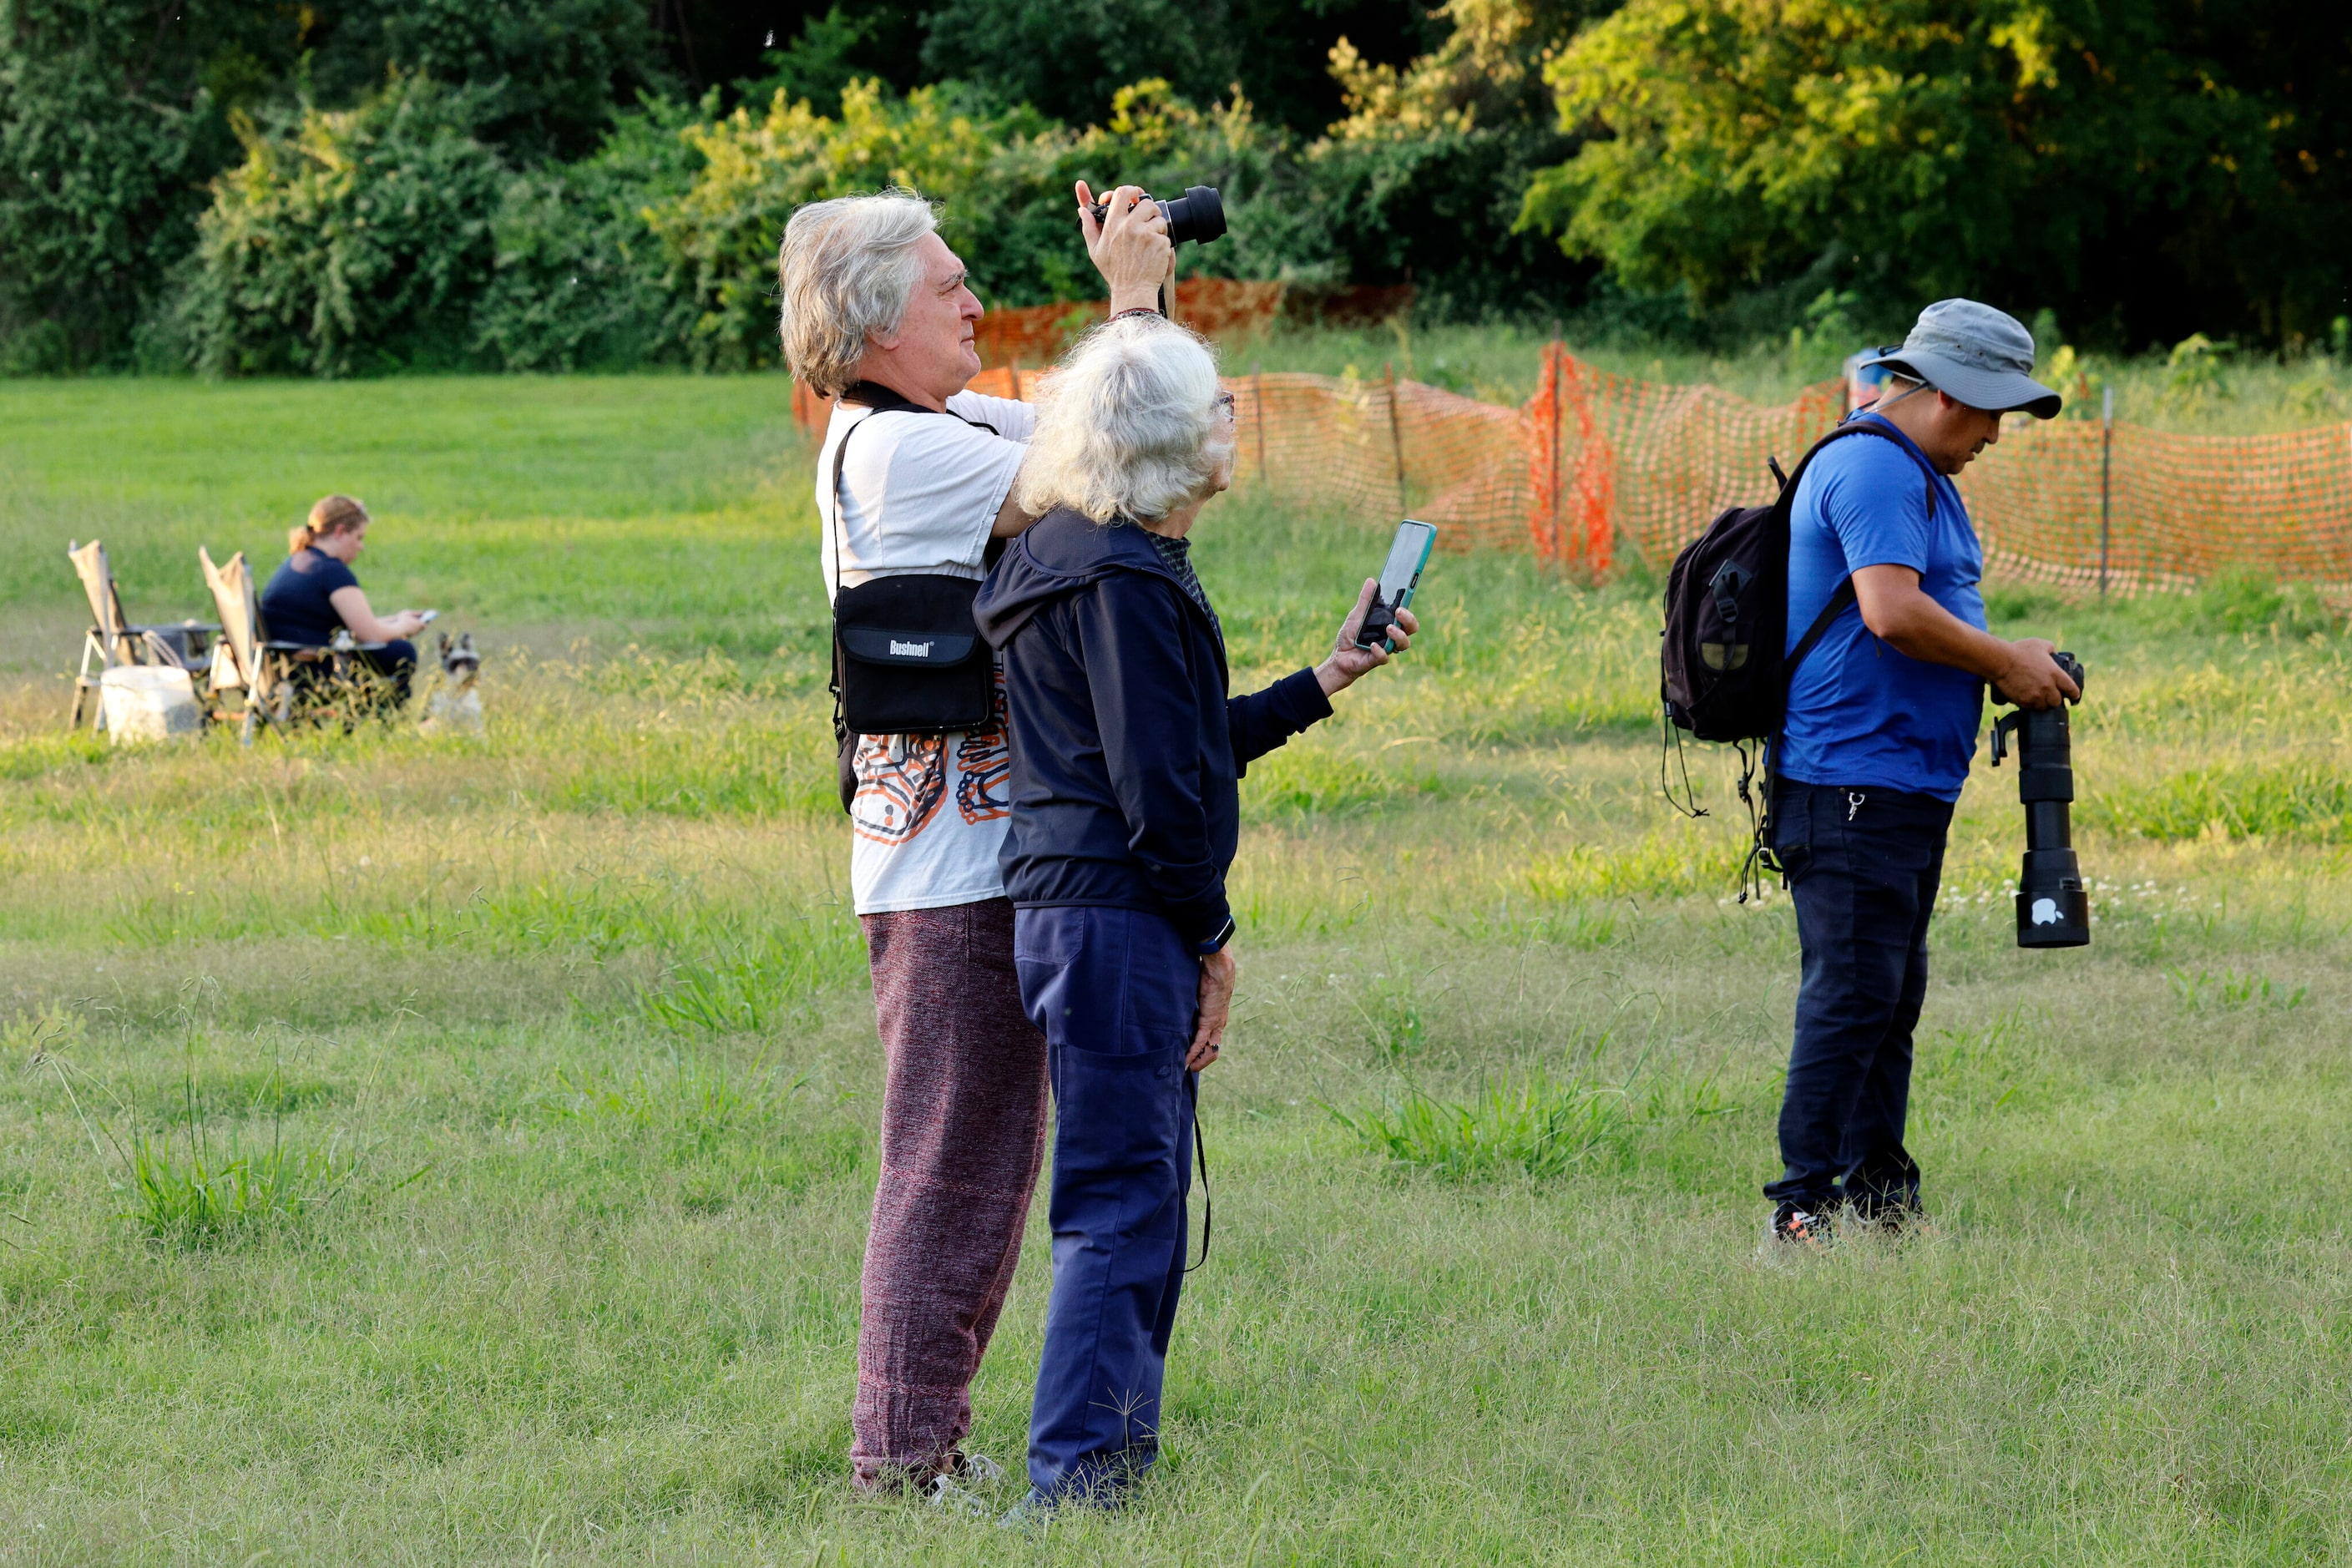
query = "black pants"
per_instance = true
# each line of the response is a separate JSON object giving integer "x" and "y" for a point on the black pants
{"x": 393, "y": 662}
{"x": 1863, "y": 865}
{"x": 397, "y": 661}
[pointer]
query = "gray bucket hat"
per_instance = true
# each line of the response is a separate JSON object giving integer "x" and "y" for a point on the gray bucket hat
{"x": 1976, "y": 354}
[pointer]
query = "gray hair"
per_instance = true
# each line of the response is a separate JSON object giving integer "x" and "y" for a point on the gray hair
{"x": 1128, "y": 425}
{"x": 846, "y": 269}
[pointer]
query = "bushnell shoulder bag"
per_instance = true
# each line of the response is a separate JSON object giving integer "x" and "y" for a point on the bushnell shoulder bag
{"x": 907, "y": 659}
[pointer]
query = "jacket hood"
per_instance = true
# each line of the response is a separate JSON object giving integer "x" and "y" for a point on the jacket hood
{"x": 1059, "y": 554}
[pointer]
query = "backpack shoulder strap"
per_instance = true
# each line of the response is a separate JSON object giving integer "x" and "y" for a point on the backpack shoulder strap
{"x": 1844, "y": 594}
{"x": 1853, "y": 427}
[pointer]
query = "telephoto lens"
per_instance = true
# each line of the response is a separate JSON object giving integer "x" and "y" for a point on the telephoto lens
{"x": 2053, "y": 910}
{"x": 1198, "y": 216}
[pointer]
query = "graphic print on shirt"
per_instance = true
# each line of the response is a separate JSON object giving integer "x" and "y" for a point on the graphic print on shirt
{"x": 985, "y": 766}
{"x": 898, "y": 797}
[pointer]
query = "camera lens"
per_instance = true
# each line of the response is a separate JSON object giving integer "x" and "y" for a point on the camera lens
{"x": 1198, "y": 216}
{"x": 2054, "y": 908}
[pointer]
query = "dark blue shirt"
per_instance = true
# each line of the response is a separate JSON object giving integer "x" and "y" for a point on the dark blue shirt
{"x": 1859, "y": 713}
{"x": 1126, "y": 748}
{"x": 296, "y": 605}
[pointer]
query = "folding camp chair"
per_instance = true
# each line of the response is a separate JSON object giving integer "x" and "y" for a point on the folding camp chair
{"x": 284, "y": 683}
{"x": 111, "y": 641}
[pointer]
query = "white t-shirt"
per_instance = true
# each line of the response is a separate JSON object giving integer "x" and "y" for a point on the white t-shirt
{"x": 919, "y": 494}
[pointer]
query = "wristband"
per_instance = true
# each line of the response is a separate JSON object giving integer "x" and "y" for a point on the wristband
{"x": 1136, "y": 311}
{"x": 1217, "y": 943}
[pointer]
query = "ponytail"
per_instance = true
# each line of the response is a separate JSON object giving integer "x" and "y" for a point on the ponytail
{"x": 333, "y": 515}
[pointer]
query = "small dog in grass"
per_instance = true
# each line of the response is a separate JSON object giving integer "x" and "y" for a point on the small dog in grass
{"x": 455, "y": 708}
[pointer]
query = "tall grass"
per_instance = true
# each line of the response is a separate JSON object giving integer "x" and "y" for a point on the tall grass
{"x": 199, "y": 1197}
{"x": 2302, "y": 800}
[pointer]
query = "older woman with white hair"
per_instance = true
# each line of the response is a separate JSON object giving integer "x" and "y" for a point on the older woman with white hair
{"x": 916, "y": 476}
{"x": 1127, "y": 751}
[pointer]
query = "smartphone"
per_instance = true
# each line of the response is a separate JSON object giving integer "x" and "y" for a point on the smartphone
{"x": 1408, "y": 553}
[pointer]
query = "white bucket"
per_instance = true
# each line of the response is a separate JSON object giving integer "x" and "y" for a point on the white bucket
{"x": 149, "y": 703}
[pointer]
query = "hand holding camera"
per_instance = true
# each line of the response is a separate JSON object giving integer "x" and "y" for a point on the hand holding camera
{"x": 2038, "y": 676}
{"x": 1126, "y": 235}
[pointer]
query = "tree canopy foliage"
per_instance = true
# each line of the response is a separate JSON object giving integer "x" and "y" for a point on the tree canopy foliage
{"x": 352, "y": 185}
{"x": 2161, "y": 165}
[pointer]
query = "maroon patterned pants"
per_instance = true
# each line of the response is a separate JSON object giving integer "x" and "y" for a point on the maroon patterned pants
{"x": 963, "y": 1133}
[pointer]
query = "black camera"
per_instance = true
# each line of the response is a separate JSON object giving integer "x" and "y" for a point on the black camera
{"x": 1198, "y": 215}
{"x": 2052, "y": 909}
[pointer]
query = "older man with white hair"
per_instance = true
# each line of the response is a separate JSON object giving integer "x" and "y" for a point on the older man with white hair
{"x": 878, "y": 316}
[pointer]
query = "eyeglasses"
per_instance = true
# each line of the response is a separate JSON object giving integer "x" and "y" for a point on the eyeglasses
{"x": 1226, "y": 404}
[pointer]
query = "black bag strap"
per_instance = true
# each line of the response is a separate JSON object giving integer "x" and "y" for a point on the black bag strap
{"x": 879, "y": 399}
{"x": 1200, "y": 1148}
{"x": 1844, "y": 594}
{"x": 1814, "y": 633}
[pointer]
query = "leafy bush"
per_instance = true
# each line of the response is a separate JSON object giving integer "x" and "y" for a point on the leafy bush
{"x": 1002, "y": 177}
{"x": 348, "y": 240}
{"x": 115, "y": 114}
{"x": 579, "y": 280}
{"x": 719, "y": 235}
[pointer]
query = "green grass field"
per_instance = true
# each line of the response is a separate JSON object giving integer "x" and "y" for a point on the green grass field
{"x": 448, "y": 1152}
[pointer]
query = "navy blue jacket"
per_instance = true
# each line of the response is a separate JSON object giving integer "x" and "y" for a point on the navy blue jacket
{"x": 1126, "y": 748}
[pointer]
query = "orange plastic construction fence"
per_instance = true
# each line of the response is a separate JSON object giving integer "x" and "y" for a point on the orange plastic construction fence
{"x": 1598, "y": 470}
{"x": 1033, "y": 336}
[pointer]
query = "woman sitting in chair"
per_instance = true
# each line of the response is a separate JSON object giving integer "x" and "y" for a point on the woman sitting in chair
{"x": 314, "y": 595}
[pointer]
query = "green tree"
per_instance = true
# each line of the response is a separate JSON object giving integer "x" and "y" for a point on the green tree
{"x": 349, "y": 239}
{"x": 2077, "y": 152}
{"x": 110, "y": 120}
{"x": 551, "y": 76}
{"x": 1425, "y": 176}
{"x": 1068, "y": 61}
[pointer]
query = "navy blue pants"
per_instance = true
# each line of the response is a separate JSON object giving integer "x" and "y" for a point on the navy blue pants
{"x": 1115, "y": 993}
{"x": 1863, "y": 866}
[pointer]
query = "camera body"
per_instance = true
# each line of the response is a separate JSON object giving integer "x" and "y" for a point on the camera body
{"x": 1198, "y": 216}
{"x": 2053, "y": 909}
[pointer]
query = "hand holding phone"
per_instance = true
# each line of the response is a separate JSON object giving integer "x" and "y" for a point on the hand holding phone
{"x": 1369, "y": 635}
{"x": 1408, "y": 553}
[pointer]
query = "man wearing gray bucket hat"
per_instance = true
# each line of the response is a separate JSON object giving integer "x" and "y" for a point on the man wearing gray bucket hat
{"x": 1881, "y": 727}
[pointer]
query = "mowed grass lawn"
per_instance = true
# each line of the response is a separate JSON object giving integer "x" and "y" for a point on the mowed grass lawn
{"x": 420, "y": 1151}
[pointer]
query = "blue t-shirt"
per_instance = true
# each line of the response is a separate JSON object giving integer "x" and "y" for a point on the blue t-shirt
{"x": 295, "y": 606}
{"x": 1859, "y": 713}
